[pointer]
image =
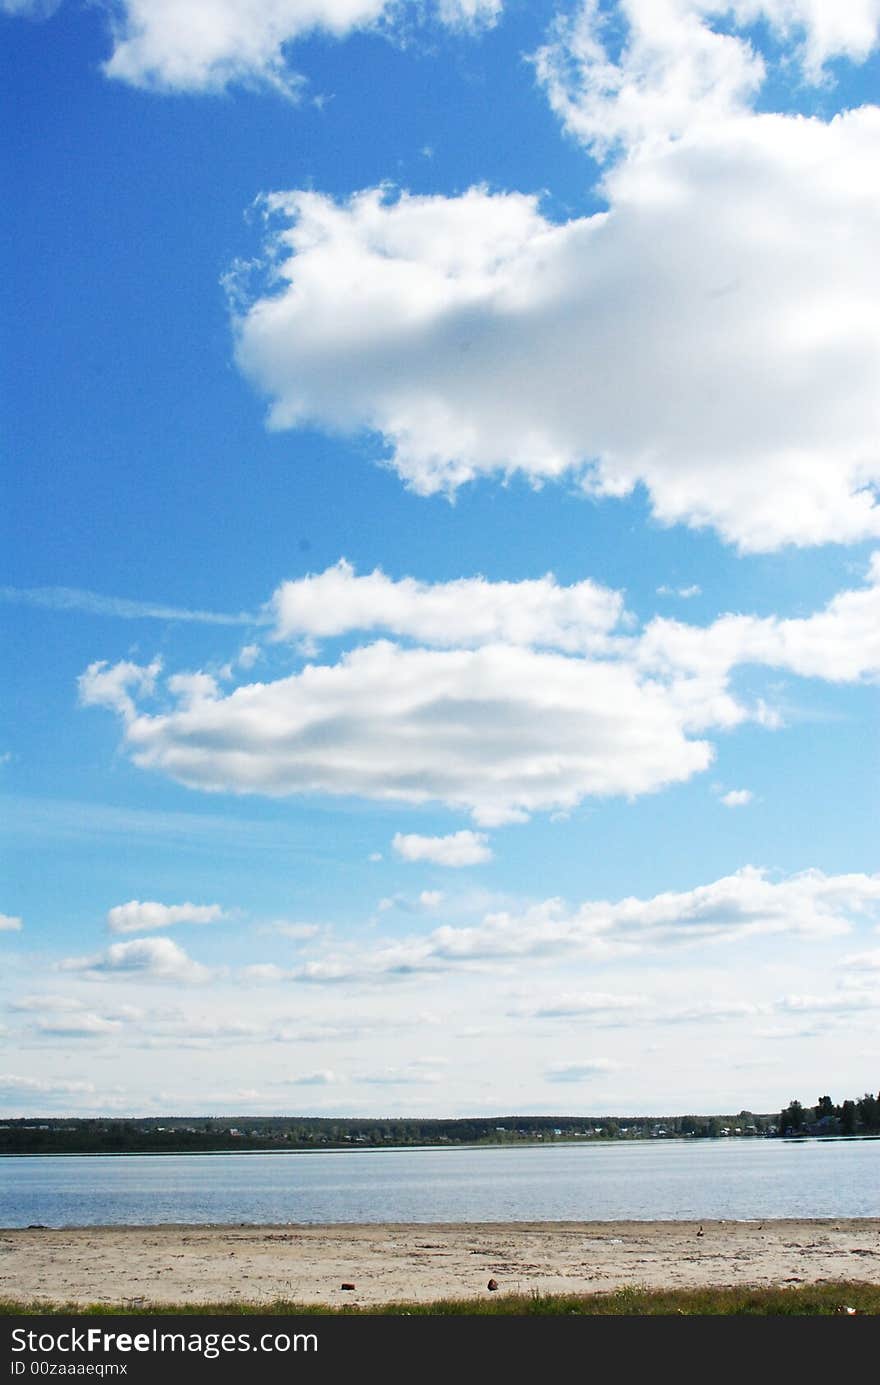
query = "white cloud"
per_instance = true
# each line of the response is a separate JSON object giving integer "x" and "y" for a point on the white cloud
{"x": 60, "y": 1004}
{"x": 582, "y": 1071}
{"x": 684, "y": 592}
{"x": 737, "y": 798}
{"x": 670, "y": 66}
{"x": 673, "y": 71}
{"x": 85, "y": 1025}
{"x": 423, "y": 903}
{"x": 714, "y": 1011}
{"x": 75, "y": 599}
{"x": 323, "y": 1077}
{"x": 746, "y": 904}
{"x": 10, "y": 923}
{"x": 863, "y": 961}
{"x": 500, "y": 731}
{"x": 836, "y": 1002}
{"x": 465, "y": 613}
{"x": 296, "y": 932}
{"x": 416, "y": 1074}
{"x": 156, "y": 959}
{"x": 103, "y": 686}
{"x": 11, "y": 1084}
{"x": 138, "y": 916}
{"x": 575, "y": 1005}
{"x": 458, "y": 849}
{"x": 840, "y": 643}
{"x": 727, "y": 362}
{"x": 207, "y": 45}
{"x": 248, "y": 655}
{"x": 265, "y": 973}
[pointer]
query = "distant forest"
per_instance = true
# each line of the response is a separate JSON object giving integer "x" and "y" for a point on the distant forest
{"x": 208, "y": 1134}
{"x": 860, "y": 1117}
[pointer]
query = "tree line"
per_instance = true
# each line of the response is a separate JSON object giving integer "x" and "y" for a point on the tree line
{"x": 861, "y": 1117}
{"x": 219, "y": 1134}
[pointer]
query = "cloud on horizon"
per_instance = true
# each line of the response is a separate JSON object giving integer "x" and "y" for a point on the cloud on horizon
{"x": 151, "y": 959}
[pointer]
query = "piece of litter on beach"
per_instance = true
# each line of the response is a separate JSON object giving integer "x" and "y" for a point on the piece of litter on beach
{"x": 346, "y": 1286}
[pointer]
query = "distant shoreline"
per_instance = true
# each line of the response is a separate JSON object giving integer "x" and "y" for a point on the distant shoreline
{"x": 414, "y": 1149}
{"x": 423, "y": 1262}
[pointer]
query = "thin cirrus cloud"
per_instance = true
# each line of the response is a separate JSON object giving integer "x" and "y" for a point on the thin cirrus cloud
{"x": 472, "y": 336}
{"x": 458, "y": 849}
{"x": 140, "y": 916}
{"x": 94, "y": 603}
{"x": 501, "y": 730}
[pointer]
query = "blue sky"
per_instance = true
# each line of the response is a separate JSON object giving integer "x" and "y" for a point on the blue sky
{"x": 440, "y": 510}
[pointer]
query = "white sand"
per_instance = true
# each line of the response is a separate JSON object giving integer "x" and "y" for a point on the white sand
{"x": 387, "y": 1263}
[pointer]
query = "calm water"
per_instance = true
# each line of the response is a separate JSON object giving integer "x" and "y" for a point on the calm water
{"x": 705, "y": 1179}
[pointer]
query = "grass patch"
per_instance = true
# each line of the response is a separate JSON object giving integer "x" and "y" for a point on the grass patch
{"x": 806, "y": 1300}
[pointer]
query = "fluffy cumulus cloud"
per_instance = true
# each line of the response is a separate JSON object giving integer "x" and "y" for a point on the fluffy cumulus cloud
{"x": 9, "y": 923}
{"x": 114, "y": 686}
{"x": 457, "y": 849}
{"x": 737, "y": 798}
{"x": 639, "y": 72}
{"x": 744, "y": 905}
{"x": 466, "y": 612}
{"x": 726, "y": 362}
{"x": 152, "y": 959}
{"x": 840, "y": 643}
{"x": 207, "y": 45}
{"x": 501, "y": 730}
{"x": 139, "y": 916}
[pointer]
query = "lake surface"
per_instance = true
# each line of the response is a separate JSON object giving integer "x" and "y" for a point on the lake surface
{"x": 734, "y": 1180}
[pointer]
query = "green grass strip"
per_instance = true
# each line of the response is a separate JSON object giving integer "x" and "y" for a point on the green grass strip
{"x": 806, "y": 1300}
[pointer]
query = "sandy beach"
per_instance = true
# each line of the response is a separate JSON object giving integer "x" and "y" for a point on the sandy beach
{"x": 387, "y": 1263}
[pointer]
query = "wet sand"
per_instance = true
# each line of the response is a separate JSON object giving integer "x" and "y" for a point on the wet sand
{"x": 389, "y": 1263}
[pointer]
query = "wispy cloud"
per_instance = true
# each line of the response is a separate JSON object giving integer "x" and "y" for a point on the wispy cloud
{"x": 93, "y": 603}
